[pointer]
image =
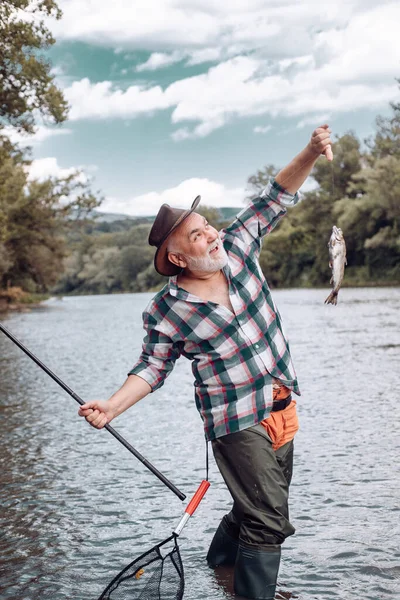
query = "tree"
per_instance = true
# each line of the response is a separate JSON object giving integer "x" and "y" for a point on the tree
{"x": 296, "y": 251}
{"x": 258, "y": 181}
{"x": 27, "y": 87}
{"x": 387, "y": 138}
{"x": 372, "y": 220}
{"x": 335, "y": 177}
{"x": 33, "y": 219}
{"x": 33, "y": 214}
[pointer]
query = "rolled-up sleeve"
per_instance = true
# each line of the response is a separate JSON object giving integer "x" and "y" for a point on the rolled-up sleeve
{"x": 261, "y": 216}
{"x": 158, "y": 357}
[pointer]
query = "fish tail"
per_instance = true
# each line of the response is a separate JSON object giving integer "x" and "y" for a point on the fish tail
{"x": 332, "y": 298}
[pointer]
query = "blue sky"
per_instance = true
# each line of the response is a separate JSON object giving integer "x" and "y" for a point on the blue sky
{"x": 170, "y": 99}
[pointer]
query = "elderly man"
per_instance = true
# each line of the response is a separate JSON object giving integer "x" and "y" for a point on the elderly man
{"x": 217, "y": 311}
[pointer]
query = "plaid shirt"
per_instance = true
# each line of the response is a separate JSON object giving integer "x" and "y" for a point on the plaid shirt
{"x": 234, "y": 356}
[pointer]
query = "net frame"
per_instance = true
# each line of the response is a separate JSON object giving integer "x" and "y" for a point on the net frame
{"x": 171, "y": 590}
{"x": 133, "y": 569}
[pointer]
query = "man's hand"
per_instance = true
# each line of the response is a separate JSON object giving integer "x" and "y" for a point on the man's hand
{"x": 97, "y": 412}
{"x": 100, "y": 412}
{"x": 321, "y": 142}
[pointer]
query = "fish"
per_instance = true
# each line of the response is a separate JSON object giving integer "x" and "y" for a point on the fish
{"x": 337, "y": 262}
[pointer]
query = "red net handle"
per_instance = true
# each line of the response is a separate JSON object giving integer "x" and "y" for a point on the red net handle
{"x": 197, "y": 498}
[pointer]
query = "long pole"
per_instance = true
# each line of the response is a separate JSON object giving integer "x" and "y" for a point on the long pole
{"x": 110, "y": 429}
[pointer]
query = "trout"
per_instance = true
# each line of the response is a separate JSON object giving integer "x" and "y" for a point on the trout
{"x": 337, "y": 262}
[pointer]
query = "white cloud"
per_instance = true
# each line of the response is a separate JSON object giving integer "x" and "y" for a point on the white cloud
{"x": 99, "y": 100}
{"x": 42, "y": 133}
{"x": 160, "y": 60}
{"x": 43, "y": 168}
{"x": 349, "y": 63}
{"x": 196, "y": 57}
{"x": 212, "y": 194}
{"x": 314, "y": 120}
{"x": 168, "y": 24}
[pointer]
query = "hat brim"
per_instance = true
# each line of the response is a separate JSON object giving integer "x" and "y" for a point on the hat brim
{"x": 162, "y": 264}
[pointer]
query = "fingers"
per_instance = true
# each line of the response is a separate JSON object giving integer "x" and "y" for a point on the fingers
{"x": 321, "y": 142}
{"x": 321, "y": 128}
{"x": 329, "y": 153}
{"x": 95, "y": 417}
{"x": 86, "y": 409}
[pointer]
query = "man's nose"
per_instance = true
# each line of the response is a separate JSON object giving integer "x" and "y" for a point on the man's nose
{"x": 212, "y": 235}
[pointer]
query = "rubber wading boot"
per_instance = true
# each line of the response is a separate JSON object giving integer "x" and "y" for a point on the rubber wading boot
{"x": 256, "y": 572}
{"x": 223, "y": 548}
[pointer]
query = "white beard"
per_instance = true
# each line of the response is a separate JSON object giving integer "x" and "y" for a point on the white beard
{"x": 208, "y": 264}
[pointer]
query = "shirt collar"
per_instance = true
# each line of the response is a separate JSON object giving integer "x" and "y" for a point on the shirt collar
{"x": 181, "y": 294}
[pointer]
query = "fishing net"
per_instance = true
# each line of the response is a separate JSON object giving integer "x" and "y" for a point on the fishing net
{"x": 156, "y": 574}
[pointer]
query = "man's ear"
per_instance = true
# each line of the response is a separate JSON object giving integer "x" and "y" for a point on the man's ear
{"x": 177, "y": 260}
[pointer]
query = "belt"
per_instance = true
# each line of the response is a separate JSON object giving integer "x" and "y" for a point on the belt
{"x": 281, "y": 404}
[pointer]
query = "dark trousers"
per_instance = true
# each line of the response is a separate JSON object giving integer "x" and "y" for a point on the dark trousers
{"x": 258, "y": 479}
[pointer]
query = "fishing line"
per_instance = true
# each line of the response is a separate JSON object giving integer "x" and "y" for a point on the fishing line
{"x": 207, "y": 462}
{"x": 303, "y": 164}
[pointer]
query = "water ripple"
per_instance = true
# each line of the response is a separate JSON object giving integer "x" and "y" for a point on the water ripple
{"x": 76, "y": 507}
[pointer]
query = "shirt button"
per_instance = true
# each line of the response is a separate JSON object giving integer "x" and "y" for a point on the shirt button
{"x": 257, "y": 346}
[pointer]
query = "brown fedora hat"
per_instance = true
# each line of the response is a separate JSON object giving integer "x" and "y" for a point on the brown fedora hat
{"x": 167, "y": 220}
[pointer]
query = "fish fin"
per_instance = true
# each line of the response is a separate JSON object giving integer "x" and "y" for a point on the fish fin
{"x": 345, "y": 261}
{"x": 332, "y": 298}
{"x": 330, "y": 264}
{"x": 331, "y": 281}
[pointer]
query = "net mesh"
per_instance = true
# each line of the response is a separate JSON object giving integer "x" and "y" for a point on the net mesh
{"x": 154, "y": 575}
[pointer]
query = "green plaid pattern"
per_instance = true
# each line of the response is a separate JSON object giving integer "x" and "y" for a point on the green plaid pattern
{"x": 234, "y": 356}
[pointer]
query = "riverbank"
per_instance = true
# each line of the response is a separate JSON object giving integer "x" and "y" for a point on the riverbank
{"x": 16, "y": 299}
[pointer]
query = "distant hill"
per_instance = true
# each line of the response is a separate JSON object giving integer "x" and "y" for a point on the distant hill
{"x": 230, "y": 212}
{"x": 102, "y": 217}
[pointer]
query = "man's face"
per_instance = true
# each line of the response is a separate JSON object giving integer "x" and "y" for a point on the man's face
{"x": 198, "y": 245}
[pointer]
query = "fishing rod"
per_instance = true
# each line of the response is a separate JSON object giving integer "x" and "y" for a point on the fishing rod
{"x": 110, "y": 429}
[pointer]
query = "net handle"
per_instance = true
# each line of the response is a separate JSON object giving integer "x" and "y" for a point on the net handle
{"x": 197, "y": 498}
{"x": 110, "y": 429}
{"x": 192, "y": 506}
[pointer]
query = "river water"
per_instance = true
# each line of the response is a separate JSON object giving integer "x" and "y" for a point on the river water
{"x": 76, "y": 507}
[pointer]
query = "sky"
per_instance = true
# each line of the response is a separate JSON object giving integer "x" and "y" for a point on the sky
{"x": 174, "y": 98}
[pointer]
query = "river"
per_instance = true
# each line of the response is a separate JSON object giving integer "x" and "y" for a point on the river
{"x": 76, "y": 506}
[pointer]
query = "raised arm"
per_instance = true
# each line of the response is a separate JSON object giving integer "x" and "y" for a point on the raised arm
{"x": 296, "y": 172}
{"x": 261, "y": 216}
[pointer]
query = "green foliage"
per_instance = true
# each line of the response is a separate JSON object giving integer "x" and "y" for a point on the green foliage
{"x": 116, "y": 261}
{"x": 26, "y": 85}
{"x": 387, "y": 138}
{"x": 34, "y": 216}
{"x": 47, "y": 239}
{"x": 258, "y": 181}
{"x": 359, "y": 192}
